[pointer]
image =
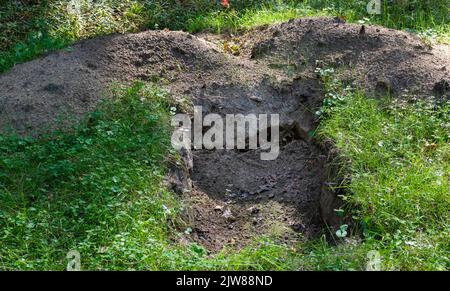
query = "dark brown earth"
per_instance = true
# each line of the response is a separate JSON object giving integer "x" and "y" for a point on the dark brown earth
{"x": 247, "y": 196}
{"x": 234, "y": 195}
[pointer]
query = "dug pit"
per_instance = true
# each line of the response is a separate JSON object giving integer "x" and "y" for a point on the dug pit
{"x": 234, "y": 195}
{"x": 238, "y": 197}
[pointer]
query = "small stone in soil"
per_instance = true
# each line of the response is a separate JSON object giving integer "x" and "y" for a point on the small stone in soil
{"x": 228, "y": 215}
{"x": 243, "y": 194}
{"x": 256, "y": 98}
{"x": 253, "y": 210}
{"x": 263, "y": 188}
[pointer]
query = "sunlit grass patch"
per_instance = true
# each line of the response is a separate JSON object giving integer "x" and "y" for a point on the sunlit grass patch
{"x": 398, "y": 159}
{"x": 97, "y": 189}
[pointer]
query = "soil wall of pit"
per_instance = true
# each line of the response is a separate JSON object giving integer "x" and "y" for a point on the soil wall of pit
{"x": 234, "y": 195}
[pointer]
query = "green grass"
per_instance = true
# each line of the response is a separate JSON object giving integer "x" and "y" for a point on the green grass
{"x": 397, "y": 153}
{"x": 28, "y": 30}
{"x": 96, "y": 190}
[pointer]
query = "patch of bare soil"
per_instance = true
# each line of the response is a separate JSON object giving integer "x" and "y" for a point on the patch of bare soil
{"x": 244, "y": 196}
{"x": 234, "y": 195}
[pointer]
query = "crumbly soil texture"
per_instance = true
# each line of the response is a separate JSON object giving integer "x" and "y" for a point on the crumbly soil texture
{"x": 234, "y": 196}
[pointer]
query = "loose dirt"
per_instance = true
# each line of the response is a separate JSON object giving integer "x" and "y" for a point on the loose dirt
{"x": 234, "y": 195}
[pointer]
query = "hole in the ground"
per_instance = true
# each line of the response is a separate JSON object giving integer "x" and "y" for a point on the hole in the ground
{"x": 236, "y": 196}
{"x": 239, "y": 197}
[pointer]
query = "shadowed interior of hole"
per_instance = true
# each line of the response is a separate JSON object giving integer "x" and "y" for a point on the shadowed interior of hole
{"x": 240, "y": 181}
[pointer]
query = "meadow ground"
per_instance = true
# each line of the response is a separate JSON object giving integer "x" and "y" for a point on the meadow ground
{"x": 97, "y": 184}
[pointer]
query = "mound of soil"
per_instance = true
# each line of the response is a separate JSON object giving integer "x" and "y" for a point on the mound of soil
{"x": 234, "y": 195}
